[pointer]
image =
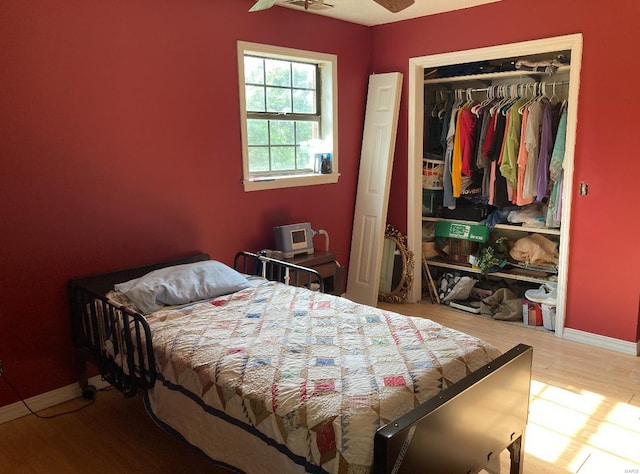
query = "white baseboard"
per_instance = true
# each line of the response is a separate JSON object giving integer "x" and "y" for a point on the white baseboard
{"x": 46, "y": 400}
{"x": 604, "y": 342}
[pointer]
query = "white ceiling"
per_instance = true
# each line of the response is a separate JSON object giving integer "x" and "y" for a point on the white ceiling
{"x": 369, "y": 13}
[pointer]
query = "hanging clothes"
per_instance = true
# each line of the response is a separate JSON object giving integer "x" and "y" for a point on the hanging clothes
{"x": 470, "y": 176}
{"x": 456, "y": 159}
{"x": 557, "y": 155}
{"x": 509, "y": 165}
{"x": 448, "y": 200}
{"x": 468, "y": 122}
{"x": 482, "y": 162}
{"x": 433, "y": 124}
{"x": 532, "y": 144}
{"x": 472, "y": 185}
{"x": 501, "y": 152}
{"x": 544, "y": 155}
{"x": 490, "y": 165}
{"x": 523, "y": 158}
{"x": 500, "y": 192}
{"x": 556, "y": 174}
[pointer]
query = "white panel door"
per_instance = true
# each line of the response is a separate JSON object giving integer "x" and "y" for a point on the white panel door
{"x": 372, "y": 199}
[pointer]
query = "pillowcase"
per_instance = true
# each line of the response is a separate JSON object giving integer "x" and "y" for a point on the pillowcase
{"x": 181, "y": 284}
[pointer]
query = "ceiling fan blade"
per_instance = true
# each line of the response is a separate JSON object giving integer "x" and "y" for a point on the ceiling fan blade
{"x": 395, "y": 6}
{"x": 262, "y": 5}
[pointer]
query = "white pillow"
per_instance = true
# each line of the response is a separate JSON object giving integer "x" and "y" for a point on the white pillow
{"x": 182, "y": 284}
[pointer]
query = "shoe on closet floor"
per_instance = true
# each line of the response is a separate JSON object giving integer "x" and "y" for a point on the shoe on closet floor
{"x": 546, "y": 294}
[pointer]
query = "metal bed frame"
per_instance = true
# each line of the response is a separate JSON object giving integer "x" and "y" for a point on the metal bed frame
{"x": 459, "y": 431}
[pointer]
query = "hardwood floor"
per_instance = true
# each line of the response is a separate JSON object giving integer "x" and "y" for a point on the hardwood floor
{"x": 114, "y": 435}
{"x": 585, "y": 401}
{"x": 584, "y": 415}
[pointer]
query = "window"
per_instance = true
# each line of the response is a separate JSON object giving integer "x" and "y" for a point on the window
{"x": 288, "y": 116}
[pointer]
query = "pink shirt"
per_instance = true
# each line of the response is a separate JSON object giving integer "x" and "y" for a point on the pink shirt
{"x": 520, "y": 200}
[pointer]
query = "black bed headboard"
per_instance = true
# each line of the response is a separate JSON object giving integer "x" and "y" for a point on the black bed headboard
{"x": 104, "y": 283}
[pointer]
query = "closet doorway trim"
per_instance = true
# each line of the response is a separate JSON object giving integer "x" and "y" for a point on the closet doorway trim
{"x": 573, "y": 43}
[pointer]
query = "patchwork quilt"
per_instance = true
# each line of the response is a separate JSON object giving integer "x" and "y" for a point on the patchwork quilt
{"x": 316, "y": 373}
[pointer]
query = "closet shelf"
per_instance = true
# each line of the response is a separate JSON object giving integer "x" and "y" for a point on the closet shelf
{"x": 521, "y": 228}
{"x": 512, "y": 274}
{"x": 501, "y": 75}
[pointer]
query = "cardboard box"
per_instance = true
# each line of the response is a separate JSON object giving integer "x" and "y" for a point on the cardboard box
{"x": 531, "y": 313}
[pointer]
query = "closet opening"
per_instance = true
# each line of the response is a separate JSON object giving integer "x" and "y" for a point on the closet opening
{"x": 500, "y": 77}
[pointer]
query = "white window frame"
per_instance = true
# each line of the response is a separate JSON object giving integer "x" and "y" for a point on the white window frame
{"x": 328, "y": 64}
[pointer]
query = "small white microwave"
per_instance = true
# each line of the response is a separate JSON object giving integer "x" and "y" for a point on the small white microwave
{"x": 294, "y": 239}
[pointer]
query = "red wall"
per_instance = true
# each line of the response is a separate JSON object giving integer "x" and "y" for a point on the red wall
{"x": 121, "y": 145}
{"x": 604, "y": 261}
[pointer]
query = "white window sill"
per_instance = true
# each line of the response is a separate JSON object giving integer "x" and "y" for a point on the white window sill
{"x": 290, "y": 181}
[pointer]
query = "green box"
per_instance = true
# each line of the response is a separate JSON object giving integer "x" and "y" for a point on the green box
{"x": 457, "y": 230}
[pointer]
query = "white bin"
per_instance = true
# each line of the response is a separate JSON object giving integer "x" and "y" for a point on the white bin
{"x": 548, "y": 316}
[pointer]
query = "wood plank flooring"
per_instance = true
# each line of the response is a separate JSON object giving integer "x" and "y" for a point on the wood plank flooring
{"x": 584, "y": 416}
{"x": 585, "y": 401}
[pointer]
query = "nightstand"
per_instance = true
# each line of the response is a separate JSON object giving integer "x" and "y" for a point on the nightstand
{"x": 324, "y": 262}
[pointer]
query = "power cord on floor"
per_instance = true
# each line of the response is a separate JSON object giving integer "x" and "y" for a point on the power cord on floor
{"x": 38, "y": 415}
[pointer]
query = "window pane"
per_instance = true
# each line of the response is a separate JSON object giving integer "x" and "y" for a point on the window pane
{"x": 304, "y": 102}
{"x": 283, "y": 158}
{"x": 258, "y": 159}
{"x": 281, "y": 132}
{"x": 278, "y": 73}
{"x": 253, "y": 70}
{"x": 255, "y": 98}
{"x": 304, "y": 160}
{"x": 305, "y": 132}
{"x": 304, "y": 76}
{"x": 278, "y": 100}
{"x": 257, "y": 132}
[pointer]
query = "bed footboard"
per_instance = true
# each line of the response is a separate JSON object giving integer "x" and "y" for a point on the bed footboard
{"x": 277, "y": 270}
{"x": 466, "y": 426}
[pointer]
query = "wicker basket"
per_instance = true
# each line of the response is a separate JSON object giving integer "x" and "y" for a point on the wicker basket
{"x": 432, "y": 174}
{"x": 456, "y": 250}
{"x": 429, "y": 250}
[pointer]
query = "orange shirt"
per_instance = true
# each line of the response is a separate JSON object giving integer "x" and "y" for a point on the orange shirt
{"x": 456, "y": 161}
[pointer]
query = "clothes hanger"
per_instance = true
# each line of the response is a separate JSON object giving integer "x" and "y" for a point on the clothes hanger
{"x": 564, "y": 105}
{"x": 479, "y": 108}
{"x": 445, "y": 105}
{"x": 470, "y": 102}
{"x": 434, "y": 110}
{"x": 534, "y": 94}
{"x": 501, "y": 94}
{"x": 513, "y": 97}
{"x": 459, "y": 98}
{"x": 523, "y": 106}
{"x": 553, "y": 95}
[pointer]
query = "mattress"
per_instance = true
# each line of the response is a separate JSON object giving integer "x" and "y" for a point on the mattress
{"x": 299, "y": 378}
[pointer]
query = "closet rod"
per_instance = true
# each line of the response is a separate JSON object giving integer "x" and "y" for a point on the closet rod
{"x": 485, "y": 89}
